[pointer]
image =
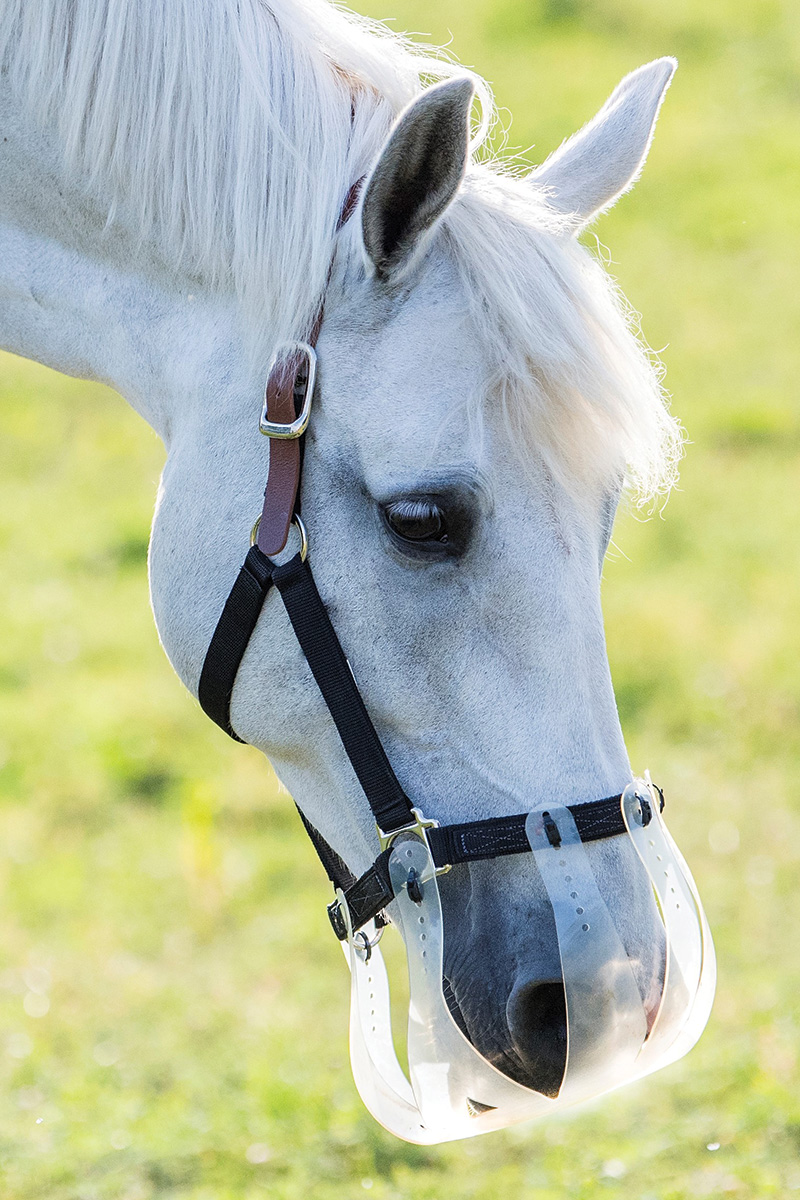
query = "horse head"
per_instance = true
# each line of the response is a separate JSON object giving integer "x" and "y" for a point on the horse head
{"x": 479, "y": 392}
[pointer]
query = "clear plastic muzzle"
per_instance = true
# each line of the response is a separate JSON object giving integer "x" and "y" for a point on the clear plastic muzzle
{"x": 452, "y": 1091}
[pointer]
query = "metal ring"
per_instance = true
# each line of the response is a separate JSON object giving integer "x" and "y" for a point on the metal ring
{"x": 366, "y": 943}
{"x": 299, "y": 525}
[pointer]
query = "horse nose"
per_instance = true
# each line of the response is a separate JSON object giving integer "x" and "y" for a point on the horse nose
{"x": 537, "y": 1021}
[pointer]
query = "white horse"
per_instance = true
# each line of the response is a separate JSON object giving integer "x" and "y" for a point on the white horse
{"x": 170, "y": 181}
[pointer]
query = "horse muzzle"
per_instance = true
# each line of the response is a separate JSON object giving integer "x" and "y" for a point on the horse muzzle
{"x": 603, "y": 1033}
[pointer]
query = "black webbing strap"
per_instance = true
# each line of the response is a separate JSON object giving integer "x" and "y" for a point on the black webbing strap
{"x": 336, "y": 868}
{"x": 318, "y": 641}
{"x": 497, "y": 836}
{"x": 366, "y": 899}
{"x": 234, "y": 629}
{"x": 471, "y": 842}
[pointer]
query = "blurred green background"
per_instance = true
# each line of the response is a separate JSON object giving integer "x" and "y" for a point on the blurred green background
{"x": 173, "y": 1010}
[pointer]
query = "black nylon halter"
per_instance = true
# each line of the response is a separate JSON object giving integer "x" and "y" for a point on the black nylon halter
{"x": 391, "y": 807}
{"x": 367, "y": 897}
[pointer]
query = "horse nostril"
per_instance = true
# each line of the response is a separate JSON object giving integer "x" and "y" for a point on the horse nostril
{"x": 537, "y": 1022}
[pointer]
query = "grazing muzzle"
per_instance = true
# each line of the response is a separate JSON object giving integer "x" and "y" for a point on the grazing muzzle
{"x": 611, "y": 1038}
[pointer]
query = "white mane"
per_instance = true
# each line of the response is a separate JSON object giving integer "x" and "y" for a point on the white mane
{"x": 228, "y": 132}
{"x": 569, "y": 371}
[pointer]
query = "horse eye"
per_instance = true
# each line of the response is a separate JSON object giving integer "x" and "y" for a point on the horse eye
{"x": 416, "y": 521}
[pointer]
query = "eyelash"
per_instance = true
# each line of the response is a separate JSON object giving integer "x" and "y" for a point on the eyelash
{"x": 416, "y": 512}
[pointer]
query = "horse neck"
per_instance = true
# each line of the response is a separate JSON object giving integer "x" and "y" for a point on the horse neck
{"x": 66, "y": 291}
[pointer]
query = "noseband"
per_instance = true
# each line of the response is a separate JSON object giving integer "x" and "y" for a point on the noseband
{"x": 284, "y": 419}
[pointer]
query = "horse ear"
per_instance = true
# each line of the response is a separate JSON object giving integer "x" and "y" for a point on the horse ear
{"x": 596, "y": 166}
{"x": 417, "y": 174}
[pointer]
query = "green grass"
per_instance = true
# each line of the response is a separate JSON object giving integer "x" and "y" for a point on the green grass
{"x": 172, "y": 1006}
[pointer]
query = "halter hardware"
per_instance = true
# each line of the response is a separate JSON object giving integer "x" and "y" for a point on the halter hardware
{"x": 305, "y": 375}
{"x": 299, "y": 525}
{"x": 366, "y": 944}
{"x": 418, "y": 827}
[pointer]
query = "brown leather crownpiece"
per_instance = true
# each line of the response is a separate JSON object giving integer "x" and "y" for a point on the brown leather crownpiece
{"x": 283, "y": 479}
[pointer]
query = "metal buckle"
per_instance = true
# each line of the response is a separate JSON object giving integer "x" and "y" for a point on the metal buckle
{"x": 297, "y": 427}
{"x": 418, "y": 827}
{"x": 336, "y": 917}
{"x": 655, "y": 790}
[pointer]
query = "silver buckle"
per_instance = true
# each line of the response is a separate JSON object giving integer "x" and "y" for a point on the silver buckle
{"x": 418, "y": 826}
{"x": 297, "y": 427}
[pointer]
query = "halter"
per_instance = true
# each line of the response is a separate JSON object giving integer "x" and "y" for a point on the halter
{"x": 284, "y": 420}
